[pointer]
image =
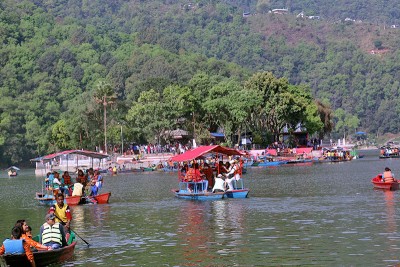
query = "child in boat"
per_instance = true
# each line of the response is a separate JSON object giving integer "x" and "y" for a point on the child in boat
{"x": 17, "y": 245}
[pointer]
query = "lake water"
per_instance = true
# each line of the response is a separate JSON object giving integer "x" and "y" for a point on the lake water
{"x": 312, "y": 215}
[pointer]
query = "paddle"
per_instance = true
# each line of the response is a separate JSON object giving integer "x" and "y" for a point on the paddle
{"x": 63, "y": 223}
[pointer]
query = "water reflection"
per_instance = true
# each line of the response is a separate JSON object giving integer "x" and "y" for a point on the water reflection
{"x": 192, "y": 233}
{"x": 390, "y": 211}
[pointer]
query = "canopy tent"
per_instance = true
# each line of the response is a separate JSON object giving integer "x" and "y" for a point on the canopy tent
{"x": 202, "y": 150}
{"x": 361, "y": 133}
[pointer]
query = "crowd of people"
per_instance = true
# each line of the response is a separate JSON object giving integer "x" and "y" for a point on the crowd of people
{"x": 54, "y": 233}
{"x": 216, "y": 175}
{"x": 87, "y": 183}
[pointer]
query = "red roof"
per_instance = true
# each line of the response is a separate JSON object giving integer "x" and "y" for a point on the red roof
{"x": 202, "y": 150}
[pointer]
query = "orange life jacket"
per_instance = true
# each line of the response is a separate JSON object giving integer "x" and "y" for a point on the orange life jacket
{"x": 190, "y": 175}
{"x": 388, "y": 177}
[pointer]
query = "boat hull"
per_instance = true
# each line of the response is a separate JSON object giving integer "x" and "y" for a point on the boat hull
{"x": 42, "y": 258}
{"x": 73, "y": 200}
{"x": 48, "y": 200}
{"x": 103, "y": 198}
{"x": 183, "y": 194}
{"x": 238, "y": 193}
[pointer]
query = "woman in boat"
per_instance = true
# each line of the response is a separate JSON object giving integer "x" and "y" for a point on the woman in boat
{"x": 81, "y": 178}
{"x": 17, "y": 245}
{"x": 27, "y": 236}
{"x": 388, "y": 176}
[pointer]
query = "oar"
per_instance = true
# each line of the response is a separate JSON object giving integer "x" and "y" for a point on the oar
{"x": 63, "y": 223}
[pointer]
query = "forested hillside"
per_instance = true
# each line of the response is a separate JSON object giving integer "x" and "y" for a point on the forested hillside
{"x": 55, "y": 53}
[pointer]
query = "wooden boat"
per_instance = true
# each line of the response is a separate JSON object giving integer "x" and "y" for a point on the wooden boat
{"x": 48, "y": 200}
{"x": 379, "y": 184}
{"x": 44, "y": 257}
{"x": 199, "y": 190}
{"x": 102, "y": 198}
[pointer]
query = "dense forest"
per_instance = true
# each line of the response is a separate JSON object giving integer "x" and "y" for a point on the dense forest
{"x": 67, "y": 66}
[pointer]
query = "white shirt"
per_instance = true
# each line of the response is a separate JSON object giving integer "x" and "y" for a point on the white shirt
{"x": 219, "y": 184}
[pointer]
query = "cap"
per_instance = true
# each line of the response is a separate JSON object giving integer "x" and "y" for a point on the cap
{"x": 50, "y": 216}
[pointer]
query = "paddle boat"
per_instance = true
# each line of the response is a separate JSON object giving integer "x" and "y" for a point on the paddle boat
{"x": 380, "y": 184}
{"x": 43, "y": 257}
{"x": 199, "y": 190}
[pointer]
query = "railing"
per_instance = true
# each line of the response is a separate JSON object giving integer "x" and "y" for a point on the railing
{"x": 194, "y": 187}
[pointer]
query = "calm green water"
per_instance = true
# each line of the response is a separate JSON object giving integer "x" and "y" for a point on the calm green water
{"x": 316, "y": 215}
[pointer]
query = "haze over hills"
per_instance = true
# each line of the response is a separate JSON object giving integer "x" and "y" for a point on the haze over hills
{"x": 54, "y": 52}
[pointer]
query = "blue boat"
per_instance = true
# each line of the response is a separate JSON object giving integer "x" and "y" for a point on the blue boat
{"x": 199, "y": 190}
{"x": 271, "y": 163}
{"x": 239, "y": 190}
{"x": 196, "y": 191}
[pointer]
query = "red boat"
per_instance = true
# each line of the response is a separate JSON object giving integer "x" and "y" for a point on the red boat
{"x": 73, "y": 200}
{"x": 379, "y": 184}
{"x": 78, "y": 200}
{"x": 102, "y": 198}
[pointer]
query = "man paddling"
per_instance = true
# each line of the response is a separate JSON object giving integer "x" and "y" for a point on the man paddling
{"x": 62, "y": 213}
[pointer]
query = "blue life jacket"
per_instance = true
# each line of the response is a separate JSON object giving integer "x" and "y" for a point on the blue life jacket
{"x": 14, "y": 246}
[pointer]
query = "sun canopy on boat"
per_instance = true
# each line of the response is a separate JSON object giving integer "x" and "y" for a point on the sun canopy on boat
{"x": 13, "y": 168}
{"x": 202, "y": 150}
{"x": 90, "y": 154}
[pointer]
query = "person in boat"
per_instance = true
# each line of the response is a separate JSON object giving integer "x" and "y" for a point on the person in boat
{"x": 221, "y": 169}
{"x": 93, "y": 189}
{"x": 388, "y": 176}
{"x": 81, "y": 177}
{"x": 52, "y": 233}
{"x": 27, "y": 236}
{"x": 57, "y": 183}
{"x": 47, "y": 181}
{"x": 77, "y": 189}
{"x": 66, "y": 182}
{"x": 233, "y": 174}
{"x": 62, "y": 212}
{"x": 193, "y": 175}
{"x": 219, "y": 184}
{"x": 209, "y": 175}
{"x": 99, "y": 179}
{"x": 17, "y": 245}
